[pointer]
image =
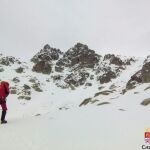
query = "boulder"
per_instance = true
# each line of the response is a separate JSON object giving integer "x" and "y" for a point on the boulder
{"x": 146, "y": 102}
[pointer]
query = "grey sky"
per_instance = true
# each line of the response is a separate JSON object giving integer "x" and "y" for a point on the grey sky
{"x": 107, "y": 26}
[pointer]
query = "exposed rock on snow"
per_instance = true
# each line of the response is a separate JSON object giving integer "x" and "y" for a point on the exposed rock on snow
{"x": 47, "y": 54}
{"x": 7, "y": 61}
{"x": 43, "y": 60}
{"x": 24, "y": 97}
{"x": 135, "y": 79}
{"x": 16, "y": 80}
{"x": 107, "y": 92}
{"x": 42, "y": 67}
{"x": 25, "y": 92}
{"x": 79, "y": 67}
{"x": 146, "y": 71}
{"x": 77, "y": 79}
{"x": 1, "y": 69}
{"x": 103, "y": 103}
{"x": 148, "y": 88}
{"x": 13, "y": 90}
{"x": 79, "y": 56}
{"x": 36, "y": 87}
{"x": 146, "y": 102}
{"x": 106, "y": 77}
{"x": 26, "y": 87}
{"x": 117, "y": 60}
{"x": 20, "y": 70}
{"x": 87, "y": 101}
{"x": 141, "y": 76}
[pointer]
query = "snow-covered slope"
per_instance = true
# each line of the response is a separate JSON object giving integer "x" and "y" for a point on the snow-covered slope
{"x": 78, "y": 104}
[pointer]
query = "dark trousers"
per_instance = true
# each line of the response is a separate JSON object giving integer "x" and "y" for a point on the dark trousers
{"x": 3, "y": 115}
{"x": 4, "y": 110}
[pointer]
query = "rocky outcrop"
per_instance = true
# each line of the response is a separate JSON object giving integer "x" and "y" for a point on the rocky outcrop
{"x": 113, "y": 59}
{"x": 87, "y": 101}
{"x": 116, "y": 60}
{"x": 20, "y": 70}
{"x": 103, "y": 103}
{"x": 37, "y": 87}
{"x": 47, "y": 54}
{"x": 7, "y": 61}
{"x": 78, "y": 64}
{"x": 43, "y": 60}
{"x": 1, "y": 69}
{"x": 135, "y": 79}
{"x": 106, "y": 77}
{"x": 16, "y": 80}
{"x": 142, "y": 76}
{"x": 42, "y": 67}
{"x": 80, "y": 56}
{"x": 13, "y": 90}
{"x": 146, "y": 102}
{"x": 77, "y": 79}
{"x": 145, "y": 73}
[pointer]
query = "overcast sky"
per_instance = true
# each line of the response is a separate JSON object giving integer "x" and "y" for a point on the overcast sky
{"x": 107, "y": 26}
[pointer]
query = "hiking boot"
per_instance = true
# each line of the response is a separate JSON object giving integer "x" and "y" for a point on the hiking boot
{"x": 3, "y": 122}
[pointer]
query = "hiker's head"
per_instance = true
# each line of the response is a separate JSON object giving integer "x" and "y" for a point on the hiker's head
{"x": 5, "y": 83}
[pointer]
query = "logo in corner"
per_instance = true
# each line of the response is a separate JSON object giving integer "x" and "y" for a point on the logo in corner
{"x": 147, "y": 136}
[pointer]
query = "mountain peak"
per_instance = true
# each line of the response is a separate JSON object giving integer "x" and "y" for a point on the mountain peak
{"x": 47, "y": 54}
{"x": 47, "y": 46}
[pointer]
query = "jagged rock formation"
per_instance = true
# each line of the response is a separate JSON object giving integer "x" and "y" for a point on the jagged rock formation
{"x": 117, "y": 61}
{"x": 78, "y": 66}
{"x": 43, "y": 60}
{"x": 141, "y": 76}
{"x": 80, "y": 56}
{"x": 146, "y": 71}
{"x": 7, "y": 61}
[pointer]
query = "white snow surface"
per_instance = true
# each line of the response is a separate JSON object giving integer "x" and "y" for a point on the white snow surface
{"x": 53, "y": 120}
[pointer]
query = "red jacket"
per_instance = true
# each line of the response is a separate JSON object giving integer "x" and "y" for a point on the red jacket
{"x": 4, "y": 89}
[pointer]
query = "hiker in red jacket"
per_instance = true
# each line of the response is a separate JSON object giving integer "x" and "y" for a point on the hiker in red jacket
{"x": 4, "y": 92}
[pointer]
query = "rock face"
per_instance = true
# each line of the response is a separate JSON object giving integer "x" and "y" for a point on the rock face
{"x": 43, "y": 60}
{"x": 116, "y": 60}
{"x": 145, "y": 73}
{"x": 142, "y": 76}
{"x": 47, "y": 54}
{"x": 113, "y": 59}
{"x": 7, "y": 61}
{"x": 78, "y": 59}
{"x": 77, "y": 79}
{"x": 135, "y": 79}
{"x": 78, "y": 65}
{"x": 42, "y": 67}
{"x": 79, "y": 56}
{"x": 106, "y": 77}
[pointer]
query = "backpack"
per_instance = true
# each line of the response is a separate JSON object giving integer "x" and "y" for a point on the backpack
{"x": 4, "y": 89}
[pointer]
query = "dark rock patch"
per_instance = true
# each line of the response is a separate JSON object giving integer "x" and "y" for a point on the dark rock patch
{"x": 20, "y": 70}
{"x": 146, "y": 102}
{"x": 103, "y": 103}
{"x": 107, "y": 92}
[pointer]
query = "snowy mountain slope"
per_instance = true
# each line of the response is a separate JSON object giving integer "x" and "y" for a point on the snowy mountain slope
{"x": 90, "y": 127}
{"x": 45, "y": 108}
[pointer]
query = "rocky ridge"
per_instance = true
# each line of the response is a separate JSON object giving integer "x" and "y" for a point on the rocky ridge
{"x": 77, "y": 67}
